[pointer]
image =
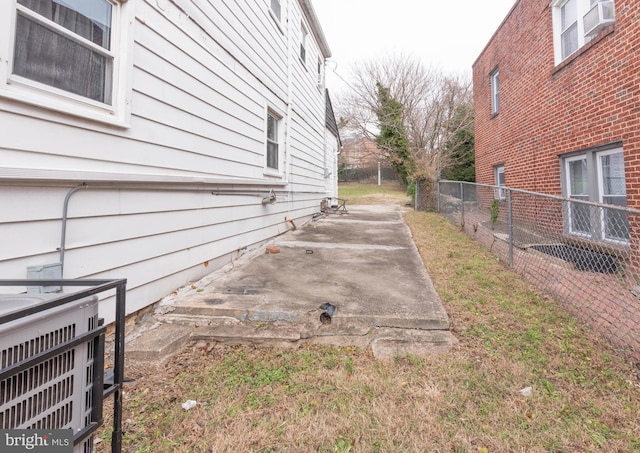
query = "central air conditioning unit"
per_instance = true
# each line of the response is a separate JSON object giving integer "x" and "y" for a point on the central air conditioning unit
{"x": 55, "y": 393}
{"x": 599, "y": 16}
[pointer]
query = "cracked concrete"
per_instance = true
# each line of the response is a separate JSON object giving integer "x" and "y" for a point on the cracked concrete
{"x": 365, "y": 263}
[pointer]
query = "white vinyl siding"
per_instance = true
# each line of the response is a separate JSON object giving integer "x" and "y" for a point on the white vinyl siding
{"x": 160, "y": 204}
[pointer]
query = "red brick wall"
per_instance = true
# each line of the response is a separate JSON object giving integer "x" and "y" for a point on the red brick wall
{"x": 361, "y": 153}
{"x": 590, "y": 99}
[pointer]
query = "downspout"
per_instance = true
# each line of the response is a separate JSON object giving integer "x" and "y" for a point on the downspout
{"x": 288, "y": 157}
{"x": 63, "y": 238}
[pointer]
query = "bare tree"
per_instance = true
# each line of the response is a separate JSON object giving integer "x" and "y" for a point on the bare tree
{"x": 435, "y": 108}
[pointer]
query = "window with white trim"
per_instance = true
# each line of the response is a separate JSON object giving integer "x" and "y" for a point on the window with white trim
{"x": 576, "y": 22}
{"x": 64, "y": 54}
{"x": 596, "y": 176}
{"x": 303, "y": 43}
{"x": 500, "y": 181}
{"x": 273, "y": 142}
{"x": 495, "y": 92}
{"x": 320, "y": 74}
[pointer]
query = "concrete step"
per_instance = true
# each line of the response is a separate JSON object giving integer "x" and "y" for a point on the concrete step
{"x": 158, "y": 342}
{"x": 164, "y": 340}
{"x": 259, "y": 308}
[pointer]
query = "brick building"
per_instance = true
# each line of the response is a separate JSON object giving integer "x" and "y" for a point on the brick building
{"x": 361, "y": 153}
{"x": 557, "y": 107}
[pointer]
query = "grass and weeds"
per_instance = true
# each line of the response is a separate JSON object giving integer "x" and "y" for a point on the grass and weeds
{"x": 326, "y": 399}
{"x": 359, "y": 193}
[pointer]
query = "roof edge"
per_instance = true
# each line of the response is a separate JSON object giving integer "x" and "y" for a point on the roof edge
{"x": 496, "y": 32}
{"x": 310, "y": 14}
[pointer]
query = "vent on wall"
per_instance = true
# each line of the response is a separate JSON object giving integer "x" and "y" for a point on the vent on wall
{"x": 55, "y": 393}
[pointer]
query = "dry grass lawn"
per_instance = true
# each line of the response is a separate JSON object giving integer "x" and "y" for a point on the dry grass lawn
{"x": 388, "y": 192}
{"x": 584, "y": 397}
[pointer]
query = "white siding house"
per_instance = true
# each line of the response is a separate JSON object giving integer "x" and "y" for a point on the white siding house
{"x": 154, "y": 140}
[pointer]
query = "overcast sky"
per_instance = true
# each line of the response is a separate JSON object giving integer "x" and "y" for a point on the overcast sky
{"x": 447, "y": 34}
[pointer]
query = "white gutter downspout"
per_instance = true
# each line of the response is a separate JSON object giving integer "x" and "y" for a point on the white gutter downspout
{"x": 288, "y": 156}
{"x": 63, "y": 238}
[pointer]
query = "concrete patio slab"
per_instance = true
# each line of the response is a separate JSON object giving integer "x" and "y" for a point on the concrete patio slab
{"x": 363, "y": 263}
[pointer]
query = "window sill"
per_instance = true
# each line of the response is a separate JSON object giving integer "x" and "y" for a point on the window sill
{"x": 59, "y": 104}
{"x": 584, "y": 49}
{"x": 270, "y": 173}
{"x": 609, "y": 246}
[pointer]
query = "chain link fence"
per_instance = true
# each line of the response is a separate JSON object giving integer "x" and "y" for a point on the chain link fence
{"x": 585, "y": 254}
{"x": 368, "y": 174}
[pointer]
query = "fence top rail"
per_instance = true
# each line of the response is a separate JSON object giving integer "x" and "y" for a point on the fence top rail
{"x": 93, "y": 287}
{"x": 545, "y": 195}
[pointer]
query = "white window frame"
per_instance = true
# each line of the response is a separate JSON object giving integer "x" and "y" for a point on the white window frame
{"x": 570, "y": 207}
{"x": 24, "y": 90}
{"x": 499, "y": 193}
{"x": 278, "y": 140}
{"x": 601, "y": 194}
{"x": 582, "y": 8}
{"x": 320, "y": 74}
{"x": 595, "y": 193}
{"x": 495, "y": 91}
{"x": 303, "y": 44}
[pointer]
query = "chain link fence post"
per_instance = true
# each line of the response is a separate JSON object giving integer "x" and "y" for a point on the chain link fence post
{"x": 585, "y": 254}
{"x": 510, "y": 224}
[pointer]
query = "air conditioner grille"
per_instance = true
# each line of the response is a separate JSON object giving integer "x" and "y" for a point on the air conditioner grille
{"x": 599, "y": 16}
{"x": 60, "y": 417}
{"x": 36, "y": 376}
{"x": 27, "y": 349}
{"x": 37, "y": 404}
{"x": 55, "y": 393}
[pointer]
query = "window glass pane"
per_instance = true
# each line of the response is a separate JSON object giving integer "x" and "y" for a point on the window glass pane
{"x": 579, "y": 214}
{"x": 569, "y": 28}
{"x": 578, "y": 183}
{"x": 499, "y": 194}
{"x": 272, "y": 128}
{"x": 275, "y": 7}
{"x": 569, "y": 13}
{"x": 580, "y": 218}
{"x": 616, "y": 223}
{"x": 272, "y": 155}
{"x": 90, "y": 19}
{"x": 495, "y": 92}
{"x": 570, "y": 41}
{"x": 47, "y": 57}
{"x": 613, "y": 181}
